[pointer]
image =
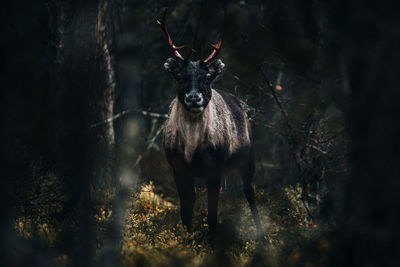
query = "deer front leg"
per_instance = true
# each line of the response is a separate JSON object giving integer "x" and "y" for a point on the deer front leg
{"x": 213, "y": 192}
{"x": 184, "y": 184}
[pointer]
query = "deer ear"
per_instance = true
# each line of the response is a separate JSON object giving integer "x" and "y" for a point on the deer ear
{"x": 215, "y": 68}
{"x": 172, "y": 66}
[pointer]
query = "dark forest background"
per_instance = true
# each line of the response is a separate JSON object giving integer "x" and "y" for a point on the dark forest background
{"x": 85, "y": 95}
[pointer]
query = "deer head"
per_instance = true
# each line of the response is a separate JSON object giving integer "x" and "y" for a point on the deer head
{"x": 194, "y": 77}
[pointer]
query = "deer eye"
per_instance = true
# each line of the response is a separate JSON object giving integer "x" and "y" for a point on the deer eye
{"x": 208, "y": 76}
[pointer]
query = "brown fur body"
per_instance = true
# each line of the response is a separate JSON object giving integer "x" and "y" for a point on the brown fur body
{"x": 210, "y": 145}
{"x": 216, "y": 134}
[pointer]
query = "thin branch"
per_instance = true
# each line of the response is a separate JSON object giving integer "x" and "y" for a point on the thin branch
{"x": 153, "y": 139}
{"x": 276, "y": 98}
{"x": 153, "y": 114}
{"x": 317, "y": 149}
{"x": 116, "y": 116}
{"x": 138, "y": 160}
{"x": 122, "y": 113}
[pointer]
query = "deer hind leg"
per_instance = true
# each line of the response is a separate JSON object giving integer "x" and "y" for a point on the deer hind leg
{"x": 247, "y": 174}
{"x": 184, "y": 184}
{"x": 213, "y": 191}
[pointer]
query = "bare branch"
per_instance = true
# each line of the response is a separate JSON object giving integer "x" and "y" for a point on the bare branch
{"x": 317, "y": 149}
{"x": 122, "y": 113}
{"x": 116, "y": 116}
{"x": 153, "y": 114}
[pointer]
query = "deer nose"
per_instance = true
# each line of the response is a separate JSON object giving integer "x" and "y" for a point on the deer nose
{"x": 193, "y": 98}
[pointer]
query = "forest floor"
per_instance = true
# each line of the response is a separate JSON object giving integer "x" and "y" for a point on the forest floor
{"x": 154, "y": 236}
{"x": 153, "y": 228}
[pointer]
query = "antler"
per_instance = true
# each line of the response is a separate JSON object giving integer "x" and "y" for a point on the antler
{"x": 216, "y": 47}
{"x": 170, "y": 42}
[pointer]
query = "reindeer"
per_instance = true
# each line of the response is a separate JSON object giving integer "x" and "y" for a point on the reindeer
{"x": 207, "y": 133}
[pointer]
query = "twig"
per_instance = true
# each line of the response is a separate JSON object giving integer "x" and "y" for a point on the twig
{"x": 122, "y": 113}
{"x": 138, "y": 160}
{"x": 116, "y": 116}
{"x": 153, "y": 114}
{"x": 151, "y": 143}
{"x": 276, "y": 98}
{"x": 153, "y": 139}
{"x": 317, "y": 149}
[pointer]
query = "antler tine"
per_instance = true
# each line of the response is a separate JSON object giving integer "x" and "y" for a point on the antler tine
{"x": 170, "y": 42}
{"x": 216, "y": 47}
